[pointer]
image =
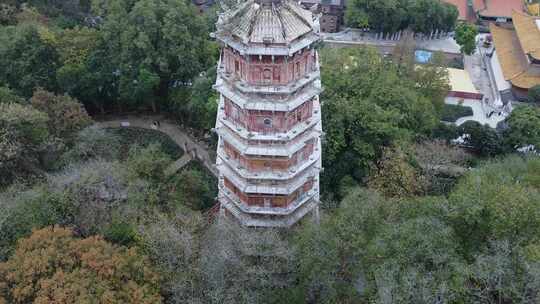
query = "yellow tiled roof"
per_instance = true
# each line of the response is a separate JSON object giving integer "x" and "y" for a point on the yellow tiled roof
{"x": 534, "y": 9}
{"x": 460, "y": 81}
{"x": 528, "y": 32}
{"x": 512, "y": 58}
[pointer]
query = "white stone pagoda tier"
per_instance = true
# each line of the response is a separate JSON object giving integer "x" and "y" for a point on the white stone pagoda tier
{"x": 269, "y": 115}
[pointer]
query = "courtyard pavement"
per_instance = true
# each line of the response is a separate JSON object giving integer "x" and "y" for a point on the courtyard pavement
{"x": 481, "y": 112}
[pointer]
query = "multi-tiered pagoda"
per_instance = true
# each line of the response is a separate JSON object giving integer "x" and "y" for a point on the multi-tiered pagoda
{"x": 269, "y": 117}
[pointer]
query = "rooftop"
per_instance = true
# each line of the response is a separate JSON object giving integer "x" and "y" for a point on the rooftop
{"x": 534, "y": 9}
{"x": 528, "y": 31}
{"x": 266, "y": 23}
{"x": 512, "y": 59}
{"x": 460, "y": 81}
{"x": 497, "y": 8}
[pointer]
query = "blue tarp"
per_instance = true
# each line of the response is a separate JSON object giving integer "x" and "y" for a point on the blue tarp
{"x": 422, "y": 56}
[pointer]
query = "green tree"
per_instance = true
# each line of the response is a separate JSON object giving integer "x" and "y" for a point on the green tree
{"x": 7, "y": 14}
{"x": 53, "y": 266}
{"x": 422, "y": 16}
{"x": 417, "y": 254}
{"x": 148, "y": 163}
{"x": 67, "y": 115}
{"x": 427, "y": 16}
{"x": 482, "y": 138}
{"x": 534, "y": 94}
{"x": 7, "y": 95}
{"x": 395, "y": 176}
{"x": 75, "y": 47}
{"x": 523, "y": 128}
{"x": 368, "y": 105}
{"x": 505, "y": 272}
{"x": 153, "y": 46}
{"x": 201, "y": 108}
{"x": 432, "y": 80}
{"x": 193, "y": 189}
{"x": 380, "y": 15}
{"x": 376, "y": 250}
{"x": 23, "y": 132}
{"x": 466, "y": 38}
{"x": 28, "y": 59}
{"x": 498, "y": 201}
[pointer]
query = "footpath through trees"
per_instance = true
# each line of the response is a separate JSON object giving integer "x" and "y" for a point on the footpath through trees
{"x": 190, "y": 145}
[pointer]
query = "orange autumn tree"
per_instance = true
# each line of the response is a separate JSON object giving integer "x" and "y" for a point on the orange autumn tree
{"x": 53, "y": 266}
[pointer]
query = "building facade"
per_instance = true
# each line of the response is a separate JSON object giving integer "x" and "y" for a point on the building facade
{"x": 331, "y": 13}
{"x": 269, "y": 116}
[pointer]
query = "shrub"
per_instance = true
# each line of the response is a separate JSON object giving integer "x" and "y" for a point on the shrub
{"x": 120, "y": 233}
{"x": 451, "y": 113}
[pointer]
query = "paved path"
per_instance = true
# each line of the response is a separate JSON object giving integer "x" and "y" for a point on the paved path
{"x": 178, "y": 164}
{"x": 180, "y": 137}
{"x": 355, "y": 37}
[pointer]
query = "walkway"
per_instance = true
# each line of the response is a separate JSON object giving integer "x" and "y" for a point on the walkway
{"x": 355, "y": 37}
{"x": 480, "y": 112}
{"x": 192, "y": 149}
{"x": 178, "y": 164}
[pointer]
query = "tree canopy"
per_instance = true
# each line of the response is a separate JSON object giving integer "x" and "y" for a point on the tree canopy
{"x": 52, "y": 265}
{"x": 370, "y": 103}
{"x": 421, "y": 16}
{"x": 523, "y": 127}
{"x": 466, "y": 38}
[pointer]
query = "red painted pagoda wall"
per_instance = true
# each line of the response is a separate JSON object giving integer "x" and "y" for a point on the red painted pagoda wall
{"x": 261, "y": 70}
{"x": 261, "y": 200}
{"x": 268, "y": 121}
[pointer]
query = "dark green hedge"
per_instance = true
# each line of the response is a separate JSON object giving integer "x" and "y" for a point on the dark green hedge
{"x": 451, "y": 113}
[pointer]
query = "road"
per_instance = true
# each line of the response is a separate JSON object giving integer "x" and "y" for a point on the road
{"x": 189, "y": 144}
{"x": 355, "y": 37}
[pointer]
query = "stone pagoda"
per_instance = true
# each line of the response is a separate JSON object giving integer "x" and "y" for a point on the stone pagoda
{"x": 269, "y": 116}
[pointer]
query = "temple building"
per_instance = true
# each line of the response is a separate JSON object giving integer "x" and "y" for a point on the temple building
{"x": 269, "y": 116}
{"x": 332, "y": 13}
{"x": 496, "y": 10}
{"x": 516, "y": 59}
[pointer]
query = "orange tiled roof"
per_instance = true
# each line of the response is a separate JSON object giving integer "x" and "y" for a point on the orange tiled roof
{"x": 528, "y": 31}
{"x": 513, "y": 62}
{"x": 497, "y": 8}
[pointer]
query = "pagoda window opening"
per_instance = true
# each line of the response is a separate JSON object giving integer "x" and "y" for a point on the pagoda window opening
{"x": 267, "y": 122}
{"x": 267, "y": 75}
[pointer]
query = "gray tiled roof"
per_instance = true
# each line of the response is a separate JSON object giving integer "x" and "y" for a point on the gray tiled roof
{"x": 278, "y": 23}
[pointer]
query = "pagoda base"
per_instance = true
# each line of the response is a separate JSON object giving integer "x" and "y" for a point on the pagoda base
{"x": 269, "y": 221}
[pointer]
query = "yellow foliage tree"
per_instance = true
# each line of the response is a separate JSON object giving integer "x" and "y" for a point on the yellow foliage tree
{"x": 53, "y": 266}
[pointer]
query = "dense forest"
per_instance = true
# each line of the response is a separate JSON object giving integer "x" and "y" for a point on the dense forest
{"x": 89, "y": 214}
